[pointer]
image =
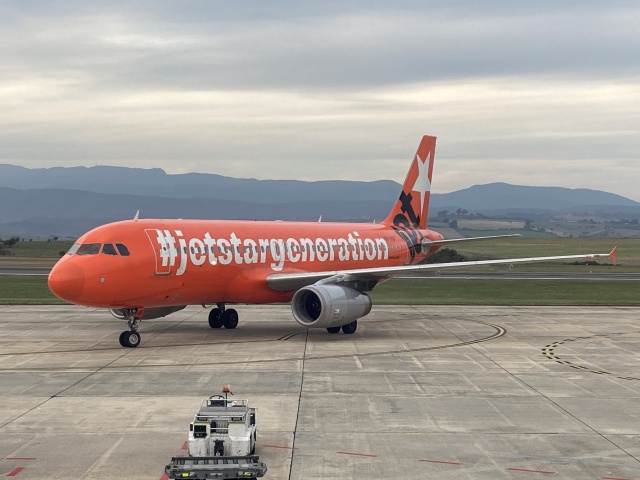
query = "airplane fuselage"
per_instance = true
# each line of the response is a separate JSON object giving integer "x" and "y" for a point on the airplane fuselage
{"x": 187, "y": 262}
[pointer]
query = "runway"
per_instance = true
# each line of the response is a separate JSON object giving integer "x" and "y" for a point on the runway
{"x": 21, "y": 270}
{"x": 417, "y": 392}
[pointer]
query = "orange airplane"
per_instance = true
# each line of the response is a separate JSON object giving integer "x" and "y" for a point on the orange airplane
{"x": 144, "y": 269}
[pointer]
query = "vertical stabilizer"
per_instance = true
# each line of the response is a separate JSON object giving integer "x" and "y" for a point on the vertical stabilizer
{"x": 412, "y": 207}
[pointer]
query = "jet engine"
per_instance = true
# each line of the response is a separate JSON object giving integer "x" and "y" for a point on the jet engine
{"x": 149, "y": 313}
{"x": 324, "y": 306}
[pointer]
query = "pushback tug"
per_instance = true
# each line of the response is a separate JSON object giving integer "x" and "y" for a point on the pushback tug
{"x": 222, "y": 442}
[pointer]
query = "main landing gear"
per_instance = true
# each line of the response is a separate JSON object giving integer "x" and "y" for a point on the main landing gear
{"x": 349, "y": 328}
{"x": 222, "y": 317}
{"x": 131, "y": 338}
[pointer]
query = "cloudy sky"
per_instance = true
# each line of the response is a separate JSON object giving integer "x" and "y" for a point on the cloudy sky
{"x": 531, "y": 93}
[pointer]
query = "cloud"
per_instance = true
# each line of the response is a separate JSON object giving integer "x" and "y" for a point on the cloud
{"x": 531, "y": 94}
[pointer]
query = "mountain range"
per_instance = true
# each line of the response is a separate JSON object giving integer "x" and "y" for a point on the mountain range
{"x": 67, "y": 201}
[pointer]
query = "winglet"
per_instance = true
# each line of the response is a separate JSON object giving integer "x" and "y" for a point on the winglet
{"x": 612, "y": 255}
{"x": 135, "y": 218}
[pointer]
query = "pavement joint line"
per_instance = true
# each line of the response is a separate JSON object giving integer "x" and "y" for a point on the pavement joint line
{"x": 280, "y": 446}
{"x": 295, "y": 427}
{"x": 545, "y": 472}
{"x": 358, "y": 454}
{"x": 440, "y": 461}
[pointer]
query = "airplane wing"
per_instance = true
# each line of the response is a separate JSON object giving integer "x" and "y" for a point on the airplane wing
{"x": 287, "y": 282}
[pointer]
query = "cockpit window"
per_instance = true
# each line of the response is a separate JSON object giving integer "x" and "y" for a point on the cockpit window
{"x": 108, "y": 249}
{"x": 74, "y": 248}
{"x": 124, "y": 251}
{"x": 89, "y": 249}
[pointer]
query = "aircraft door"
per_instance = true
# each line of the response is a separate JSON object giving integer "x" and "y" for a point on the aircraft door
{"x": 164, "y": 249}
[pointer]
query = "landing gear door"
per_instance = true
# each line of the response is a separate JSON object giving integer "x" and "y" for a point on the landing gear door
{"x": 164, "y": 249}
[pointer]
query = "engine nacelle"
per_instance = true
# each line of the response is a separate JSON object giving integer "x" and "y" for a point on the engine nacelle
{"x": 149, "y": 313}
{"x": 323, "y": 306}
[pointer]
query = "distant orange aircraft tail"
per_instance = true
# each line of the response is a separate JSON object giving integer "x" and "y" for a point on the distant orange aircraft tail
{"x": 412, "y": 208}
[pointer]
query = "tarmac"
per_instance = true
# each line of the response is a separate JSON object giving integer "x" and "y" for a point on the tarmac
{"x": 417, "y": 392}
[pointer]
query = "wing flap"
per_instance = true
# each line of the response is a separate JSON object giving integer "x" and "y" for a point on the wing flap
{"x": 287, "y": 282}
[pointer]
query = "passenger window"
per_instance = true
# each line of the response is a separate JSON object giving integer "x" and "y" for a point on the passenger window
{"x": 89, "y": 249}
{"x": 124, "y": 251}
{"x": 108, "y": 249}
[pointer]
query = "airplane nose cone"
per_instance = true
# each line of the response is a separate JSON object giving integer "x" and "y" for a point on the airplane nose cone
{"x": 66, "y": 281}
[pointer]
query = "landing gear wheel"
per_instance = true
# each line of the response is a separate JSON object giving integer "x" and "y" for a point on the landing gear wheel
{"x": 350, "y": 328}
{"x": 215, "y": 318}
{"x": 131, "y": 339}
{"x": 230, "y": 319}
{"x": 333, "y": 329}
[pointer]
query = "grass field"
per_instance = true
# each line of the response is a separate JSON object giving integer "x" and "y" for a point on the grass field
{"x": 26, "y": 290}
{"x": 34, "y": 254}
{"x": 628, "y": 248}
{"x": 485, "y": 233}
{"x": 39, "y": 249}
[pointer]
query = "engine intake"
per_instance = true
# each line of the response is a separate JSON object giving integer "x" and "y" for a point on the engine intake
{"x": 323, "y": 306}
{"x": 149, "y": 313}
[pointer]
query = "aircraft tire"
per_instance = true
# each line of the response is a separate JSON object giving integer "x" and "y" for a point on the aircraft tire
{"x": 131, "y": 339}
{"x": 121, "y": 339}
{"x": 350, "y": 328}
{"x": 333, "y": 329}
{"x": 215, "y": 318}
{"x": 230, "y": 319}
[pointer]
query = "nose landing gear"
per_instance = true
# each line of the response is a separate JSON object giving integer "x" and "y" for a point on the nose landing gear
{"x": 131, "y": 338}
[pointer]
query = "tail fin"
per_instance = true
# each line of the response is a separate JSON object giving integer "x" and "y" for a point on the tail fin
{"x": 412, "y": 207}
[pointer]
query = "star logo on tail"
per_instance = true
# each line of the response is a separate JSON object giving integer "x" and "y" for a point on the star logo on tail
{"x": 422, "y": 183}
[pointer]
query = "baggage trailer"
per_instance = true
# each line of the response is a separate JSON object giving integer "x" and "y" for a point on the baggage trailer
{"x": 222, "y": 442}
